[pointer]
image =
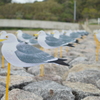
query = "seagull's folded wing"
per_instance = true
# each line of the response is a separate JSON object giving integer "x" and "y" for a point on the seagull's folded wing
{"x": 52, "y": 41}
{"x": 33, "y": 41}
{"x": 67, "y": 39}
{"x": 74, "y": 35}
{"x": 26, "y": 36}
{"x": 30, "y": 54}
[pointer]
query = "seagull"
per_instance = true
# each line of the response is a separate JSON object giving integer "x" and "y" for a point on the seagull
{"x": 85, "y": 32}
{"x": 24, "y": 55}
{"x": 66, "y": 39}
{"x": 98, "y": 36}
{"x": 24, "y": 37}
{"x": 75, "y": 35}
{"x": 3, "y": 32}
{"x": 2, "y": 59}
{"x": 50, "y": 42}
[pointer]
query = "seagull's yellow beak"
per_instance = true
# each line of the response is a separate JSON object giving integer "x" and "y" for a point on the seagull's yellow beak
{"x": 52, "y": 33}
{"x": 95, "y": 33}
{"x": 2, "y": 40}
{"x": 36, "y": 35}
{"x": 16, "y": 32}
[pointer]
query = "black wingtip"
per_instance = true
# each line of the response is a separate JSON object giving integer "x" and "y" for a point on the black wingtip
{"x": 62, "y": 59}
{"x": 70, "y": 45}
{"x": 60, "y": 62}
{"x": 77, "y": 41}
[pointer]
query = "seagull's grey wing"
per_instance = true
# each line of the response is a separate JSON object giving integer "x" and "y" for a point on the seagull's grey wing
{"x": 30, "y": 54}
{"x": 33, "y": 41}
{"x": 74, "y": 35}
{"x": 49, "y": 34}
{"x": 52, "y": 41}
{"x": 26, "y": 36}
{"x": 51, "y": 38}
{"x": 86, "y": 33}
{"x": 64, "y": 36}
{"x": 19, "y": 40}
{"x": 81, "y": 33}
{"x": 67, "y": 39}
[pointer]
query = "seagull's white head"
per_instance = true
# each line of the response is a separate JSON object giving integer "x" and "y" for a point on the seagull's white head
{"x": 56, "y": 34}
{"x": 37, "y": 34}
{"x": 8, "y": 38}
{"x": 42, "y": 33}
{"x": 19, "y": 31}
{"x": 3, "y": 32}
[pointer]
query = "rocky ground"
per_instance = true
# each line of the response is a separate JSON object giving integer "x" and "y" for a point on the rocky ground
{"x": 79, "y": 81}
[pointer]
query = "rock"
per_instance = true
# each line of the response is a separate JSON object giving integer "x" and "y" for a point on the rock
{"x": 16, "y": 81}
{"x": 52, "y": 77}
{"x": 49, "y": 69}
{"x": 78, "y": 60}
{"x": 86, "y": 76}
{"x": 90, "y": 44}
{"x": 34, "y": 70}
{"x": 98, "y": 83}
{"x": 17, "y": 94}
{"x": 82, "y": 90}
{"x": 16, "y": 68}
{"x": 82, "y": 46}
{"x": 50, "y": 90}
{"x": 21, "y": 72}
{"x": 80, "y": 67}
{"x": 92, "y": 98}
{"x": 2, "y": 90}
{"x": 75, "y": 53}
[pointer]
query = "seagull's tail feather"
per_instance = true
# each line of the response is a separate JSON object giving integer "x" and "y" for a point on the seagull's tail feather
{"x": 60, "y": 62}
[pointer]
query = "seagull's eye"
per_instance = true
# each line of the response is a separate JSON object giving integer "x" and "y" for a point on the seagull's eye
{"x": 6, "y": 36}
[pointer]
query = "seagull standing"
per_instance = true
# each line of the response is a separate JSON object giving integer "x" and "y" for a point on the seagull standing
{"x": 24, "y": 37}
{"x": 24, "y": 55}
{"x": 3, "y": 59}
{"x": 67, "y": 40}
{"x": 50, "y": 42}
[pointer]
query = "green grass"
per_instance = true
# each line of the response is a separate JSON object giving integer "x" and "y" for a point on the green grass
{"x": 27, "y": 29}
{"x": 93, "y": 23}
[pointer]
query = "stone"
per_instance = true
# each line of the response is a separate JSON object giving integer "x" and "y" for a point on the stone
{"x": 80, "y": 67}
{"x": 2, "y": 90}
{"x": 49, "y": 69}
{"x": 78, "y": 60}
{"x": 92, "y": 98}
{"x": 21, "y": 72}
{"x": 90, "y": 44}
{"x": 17, "y": 94}
{"x": 34, "y": 70}
{"x": 52, "y": 77}
{"x": 82, "y": 90}
{"x": 75, "y": 53}
{"x": 98, "y": 83}
{"x": 16, "y": 68}
{"x": 50, "y": 90}
{"x": 16, "y": 80}
{"x": 86, "y": 76}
